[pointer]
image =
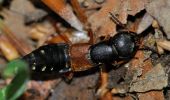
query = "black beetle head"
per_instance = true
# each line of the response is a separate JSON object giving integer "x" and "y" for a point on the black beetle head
{"x": 125, "y": 44}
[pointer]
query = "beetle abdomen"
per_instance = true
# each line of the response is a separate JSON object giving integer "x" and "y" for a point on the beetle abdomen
{"x": 49, "y": 59}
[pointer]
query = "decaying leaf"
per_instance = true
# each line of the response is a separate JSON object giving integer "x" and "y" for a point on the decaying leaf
{"x": 34, "y": 89}
{"x": 155, "y": 79}
{"x": 145, "y": 23}
{"x": 27, "y": 10}
{"x": 100, "y": 21}
{"x": 159, "y": 9}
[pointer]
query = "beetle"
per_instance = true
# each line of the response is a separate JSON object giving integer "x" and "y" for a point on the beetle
{"x": 60, "y": 58}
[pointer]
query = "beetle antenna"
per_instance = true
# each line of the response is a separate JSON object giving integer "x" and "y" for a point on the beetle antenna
{"x": 116, "y": 20}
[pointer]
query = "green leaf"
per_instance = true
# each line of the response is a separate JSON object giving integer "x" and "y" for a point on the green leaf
{"x": 19, "y": 70}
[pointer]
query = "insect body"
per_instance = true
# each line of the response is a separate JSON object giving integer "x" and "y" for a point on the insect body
{"x": 122, "y": 46}
{"x": 61, "y": 58}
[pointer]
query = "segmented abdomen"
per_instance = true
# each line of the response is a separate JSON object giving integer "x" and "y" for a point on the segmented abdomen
{"x": 52, "y": 58}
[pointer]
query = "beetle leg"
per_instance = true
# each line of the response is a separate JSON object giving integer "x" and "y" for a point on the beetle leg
{"x": 102, "y": 90}
{"x": 65, "y": 38}
{"x": 118, "y": 63}
{"x": 67, "y": 77}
